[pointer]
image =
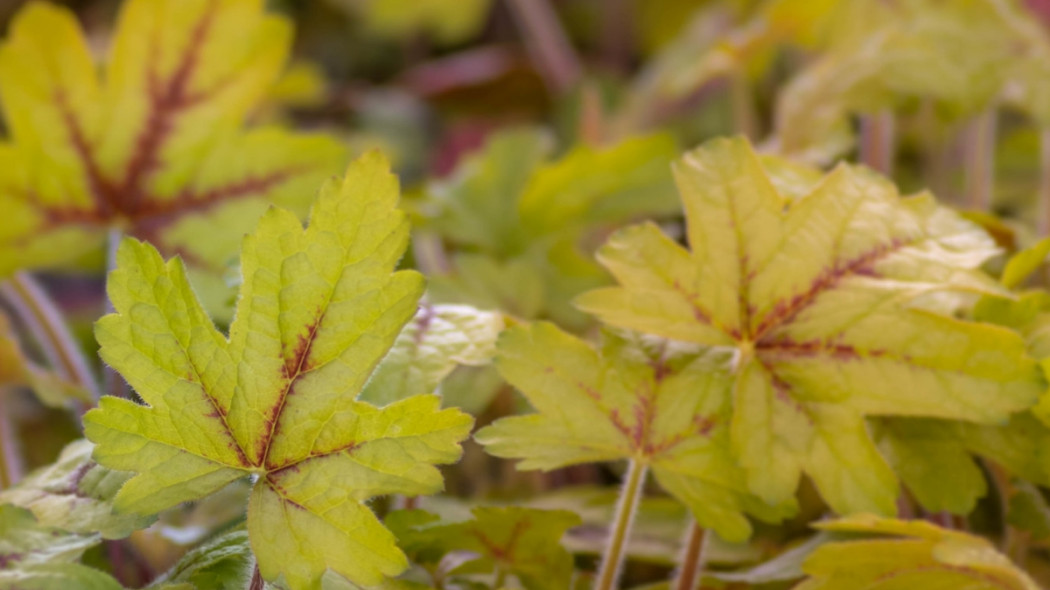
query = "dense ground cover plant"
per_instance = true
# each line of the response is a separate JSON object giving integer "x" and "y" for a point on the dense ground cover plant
{"x": 428, "y": 308}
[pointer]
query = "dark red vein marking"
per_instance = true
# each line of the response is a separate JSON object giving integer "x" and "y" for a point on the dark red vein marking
{"x": 294, "y": 367}
{"x": 293, "y": 465}
{"x": 812, "y": 348}
{"x": 785, "y": 311}
{"x": 166, "y": 102}
{"x": 283, "y": 493}
{"x": 99, "y": 188}
{"x": 503, "y": 553}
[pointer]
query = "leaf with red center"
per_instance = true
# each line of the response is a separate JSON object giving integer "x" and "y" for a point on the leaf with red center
{"x": 318, "y": 310}
{"x": 829, "y": 302}
{"x": 654, "y": 402}
{"x": 156, "y": 146}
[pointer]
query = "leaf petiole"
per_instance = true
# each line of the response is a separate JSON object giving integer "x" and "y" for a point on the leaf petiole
{"x": 630, "y": 494}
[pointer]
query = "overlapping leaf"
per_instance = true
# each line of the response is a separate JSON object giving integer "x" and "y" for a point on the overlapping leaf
{"x": 822, "y": 301}
{"x": 154, "y": 148}
{"x": 497, "y": 542}
{"x": 318, "y": 310}
{"x": 76, "y": 494}
{"x": 436, "y": 341}
{"x": 909, "y": 555}
{"x": 520, "y": 223}
{"x": 659, "y": 404}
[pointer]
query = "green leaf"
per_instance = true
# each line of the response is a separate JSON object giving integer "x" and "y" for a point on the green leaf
{"x": 828, "y": 302}
{"x": 1029, "y": 510}
{"x": 76, "y": 494}
{"x": 318, "y": 309}
{"x": 437, "y": 340}
{"x": 522, "y": 542}
{"x": 448, "y": 22}
{"x": 57, "y": 575}
{"x": 24, "y": 542}
{"x": 1024, "y": 263}
{"x": 17, "y": 369}
{"x": 155, "y": 147}
{"x": 223, "y": 563}
{"x": 656, "y": 402}
{"x": 522, "y": 226}
{"x": 907, "y": 555}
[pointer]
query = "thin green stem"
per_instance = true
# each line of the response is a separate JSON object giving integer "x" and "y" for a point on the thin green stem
{"x": 742, "y": 101}
{"x": 10, "y": 465}
{"x": 548, "y": 44}
{"x": 45, "y": 322}
{"x": 980, "y": 160}
{"x": 693, "y": 559}
{"x": 1043, "y": 200}
{"x": 877, "y": 141}
{"x": 630, "y": 494}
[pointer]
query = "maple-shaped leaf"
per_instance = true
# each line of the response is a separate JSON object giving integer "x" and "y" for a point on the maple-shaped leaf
{"x": 436, "y": 341}
{"x": 497, "y": 542}
{"x": 827, "y": 303}
{"x": 155, "y": 147}
{"x": 657, "y": 403}
{"x": 318, "y": 309}
{"x": 76, "y": 494}
{"x": 908, "y": 554}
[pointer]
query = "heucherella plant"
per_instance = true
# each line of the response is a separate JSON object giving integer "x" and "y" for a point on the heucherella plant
{"x": 155, "y": 148}
{"x": 275, "y": 400}
{"x": 833, "y": 305}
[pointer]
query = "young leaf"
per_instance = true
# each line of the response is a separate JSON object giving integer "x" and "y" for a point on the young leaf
{"x": 662, "y": 407}
{"x": 912, "y": 554}
{"x": 438, "y": 339}
{"x": 821, "y": 300}
{"x": 155, "y": 147}
{"x": 23, "y": 541}
{"x": 318, "y": 309}
{"x": 522, "y": 542}
{"x": 76, "y": 494}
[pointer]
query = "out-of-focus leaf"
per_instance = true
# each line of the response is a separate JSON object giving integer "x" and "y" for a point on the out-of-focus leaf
{"x": 52, "y": 576}
{"x": 908, "y": 555}
{"x": 155, "y": 147}
{"x": 1024, "y": 263}
{"x": 17, "y": 369}
{"x": 24, "y": 542}
{"x": 318, "y": 309}
{"x": 783, "y": 567}
{"x": 818, "y": 298}
{"x": 448, "y": 22}
{"x": 76, "y": 494}
{"x": 655, "y": 402}
{"x": 1029, "y": 510}
{"x": 523, "y": 542}
{"x": 438, "y": 338}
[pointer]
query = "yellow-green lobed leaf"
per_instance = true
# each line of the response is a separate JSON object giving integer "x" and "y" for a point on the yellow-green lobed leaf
{"x": 318, "y": 309}
{"x": 833, "y": 305}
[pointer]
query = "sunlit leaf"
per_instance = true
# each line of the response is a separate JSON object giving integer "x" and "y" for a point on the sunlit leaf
{"x": 907, "y": 555}
{"x": 318, "y": 309}
{"x": 656, "y": 403}
{"x": 76, "y": 494}
{"x": 822, "y": 301}
{"x": 436, "y": 341}
{"x": 155, "y": 147}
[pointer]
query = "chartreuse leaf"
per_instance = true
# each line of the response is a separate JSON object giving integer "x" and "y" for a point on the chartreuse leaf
{"x": 499, "y": 541}
{"x": 17, "y": 369}
{"x": 155, "y": 147}
{"x": 1024, "y": 263}
{"x": 437, "y": 340}
{"x": 76, "y": 494}
{"x": 657, "y": 403}
{"x": 907, "y": 555}
{"x": 318, "y": 309}
{"x": 819, "y": 298}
